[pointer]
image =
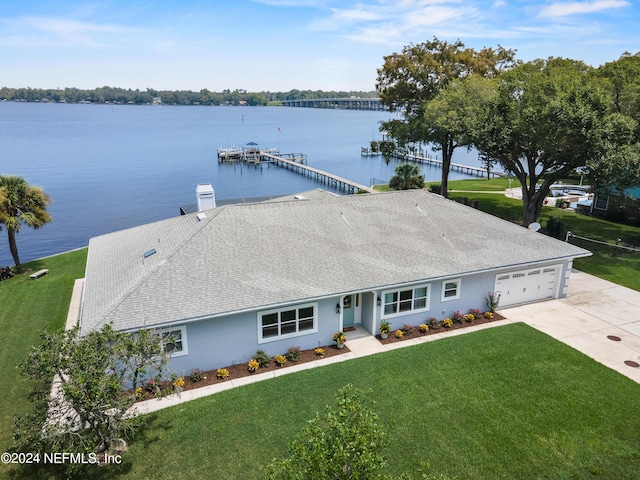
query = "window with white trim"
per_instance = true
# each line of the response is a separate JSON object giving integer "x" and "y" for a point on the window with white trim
{"x": 601, "y": 202}
{"x": 174, "y": 340}
{"x": 287, "y": 322}
{"x": 405, "y": 300}
{"x": 451, "y": 289}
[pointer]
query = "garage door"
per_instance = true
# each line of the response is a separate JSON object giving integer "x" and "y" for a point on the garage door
{"x": 527, "y": 285}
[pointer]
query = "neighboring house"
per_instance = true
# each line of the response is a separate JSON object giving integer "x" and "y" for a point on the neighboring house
{"x": 234, "y": 279}
{"x": 623, "y": 208}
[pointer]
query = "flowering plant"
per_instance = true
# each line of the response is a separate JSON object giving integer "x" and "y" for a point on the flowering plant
{"x": 253, "y": 365}
{"x": 488, "y": 314}
{"x": 178, "y": 382}
{"x": 469, "y": 317}
{"x": 424, "y": 328}
{"x": 457, "y": 317}
{"x": 222, "y": 373}
{"x": 293, "y": 354}
{"x": 476, "y": 312}
{"x": 280, "y": 360}
{"x": 385, "y": 327}
{"x": 447, "y": 323}
{"x": 319, "y": 351}
{"x": 399, "y": 334}
{"x": 339, "y": 337}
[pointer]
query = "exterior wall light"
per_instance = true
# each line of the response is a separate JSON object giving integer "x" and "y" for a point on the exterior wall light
{"x": 379, "y": 301}
{"x": 338, "y": 307}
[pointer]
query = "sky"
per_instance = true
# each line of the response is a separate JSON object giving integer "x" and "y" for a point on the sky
{"x": 280, "y": 45}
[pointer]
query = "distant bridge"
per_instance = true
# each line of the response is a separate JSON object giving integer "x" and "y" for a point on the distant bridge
{"x": 351, "y": 103}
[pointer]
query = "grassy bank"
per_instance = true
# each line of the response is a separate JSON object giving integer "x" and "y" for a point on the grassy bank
{"x": 28, "y": 308}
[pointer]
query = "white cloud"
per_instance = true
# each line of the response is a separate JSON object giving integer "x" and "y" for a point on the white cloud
{"x": 572, "y": 8}
{"x": 50, "y": 31}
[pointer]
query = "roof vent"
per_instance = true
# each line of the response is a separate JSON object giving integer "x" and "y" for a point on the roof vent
{"x": 299, "y": 197}
{"x": 201, "y": 216}
{"x": 148, "y": 253}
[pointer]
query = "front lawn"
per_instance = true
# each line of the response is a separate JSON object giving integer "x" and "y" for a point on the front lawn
{"x": 507, "y": 402}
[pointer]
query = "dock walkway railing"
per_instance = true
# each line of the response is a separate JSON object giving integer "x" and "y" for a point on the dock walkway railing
{"x": 295, "y": 163}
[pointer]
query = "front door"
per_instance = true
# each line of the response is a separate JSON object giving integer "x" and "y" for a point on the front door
{"x": 348, "y": 310}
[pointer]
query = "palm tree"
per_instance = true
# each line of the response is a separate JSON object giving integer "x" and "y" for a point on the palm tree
{"x": 407, "y": 177}
{"x": 21, "y": 203}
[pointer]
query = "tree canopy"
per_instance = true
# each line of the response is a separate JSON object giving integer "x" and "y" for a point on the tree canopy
{"x": 409, "y": 81}
{"x": 94, "y": 387}
{"x": 545, "y": 119}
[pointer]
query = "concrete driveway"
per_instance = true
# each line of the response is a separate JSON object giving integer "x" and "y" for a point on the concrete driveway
{"x": 593, "y": 310}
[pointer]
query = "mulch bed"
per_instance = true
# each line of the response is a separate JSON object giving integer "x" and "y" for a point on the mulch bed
{"x": 240, "y": 370}
{"x": 414, "y": 332}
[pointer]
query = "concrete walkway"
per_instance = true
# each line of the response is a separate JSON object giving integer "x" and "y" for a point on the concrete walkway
{"x": 593, "y": 310}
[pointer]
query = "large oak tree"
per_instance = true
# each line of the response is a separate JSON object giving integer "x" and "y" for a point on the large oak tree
{"x": 409, "y": 80}
{"x": 543, "y": 120}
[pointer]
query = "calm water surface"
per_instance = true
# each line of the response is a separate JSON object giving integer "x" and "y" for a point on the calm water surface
{"x": 113, "y": 167}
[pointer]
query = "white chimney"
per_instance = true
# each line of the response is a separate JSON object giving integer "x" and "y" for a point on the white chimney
{"x": 206, "y": 197}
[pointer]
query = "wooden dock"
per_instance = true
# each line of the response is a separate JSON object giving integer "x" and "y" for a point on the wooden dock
{"x": 477, "y": 171}
{"x": 296, "y": 162}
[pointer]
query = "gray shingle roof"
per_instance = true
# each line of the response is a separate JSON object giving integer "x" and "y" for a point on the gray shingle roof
{"x": 252, "y": 256}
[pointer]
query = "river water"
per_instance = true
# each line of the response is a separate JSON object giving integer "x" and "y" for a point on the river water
{"x": 110, "y": 167}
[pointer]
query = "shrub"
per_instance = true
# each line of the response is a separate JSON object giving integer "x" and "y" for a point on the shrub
{"x": 424, "y": 328}
{"x": 435, "y": 188}
{"x": 399, "y": 334}
{"x": 385, "y": 327}
{"x": 407, "y": 329}
{"x": 196, "y": 375}
{"x": 457, "y": 317}
{"x": 293, "y": 354}
{"x": 476, "y": 312}
{"x": 493, "y": 299}
{"x": 469, "y": 317}
{"x": 280, "y": 360}
{"x": 433, "y": 323}
{"x": 447, "y": 323}
{"x": 178, "y": 383}
{"x": 262, "y": 358}
{"x": 222, "y": 373}
{"x": 555, "y": 227}
{"x": 253, "y": 366}
{"x": 319, "y": 351}
{"x": 488, "y": 314}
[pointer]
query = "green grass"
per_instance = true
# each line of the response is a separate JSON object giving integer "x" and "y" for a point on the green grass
{"x": 507, "y": 402}
{"x": 28, "y": 308}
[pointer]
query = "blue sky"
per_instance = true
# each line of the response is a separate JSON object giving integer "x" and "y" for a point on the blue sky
{"x": 279, "y": 45}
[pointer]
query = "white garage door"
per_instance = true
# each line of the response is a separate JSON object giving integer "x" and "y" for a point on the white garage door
{"x": 527, "y": 285}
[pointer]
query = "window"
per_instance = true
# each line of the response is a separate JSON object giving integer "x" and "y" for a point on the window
{"x": 174, "y": 340}
{"x": 287, "y": 322}
{"x": 406, "y": 300}
{"x": 450, "y": 289}
{"x": 602, "y": 202}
